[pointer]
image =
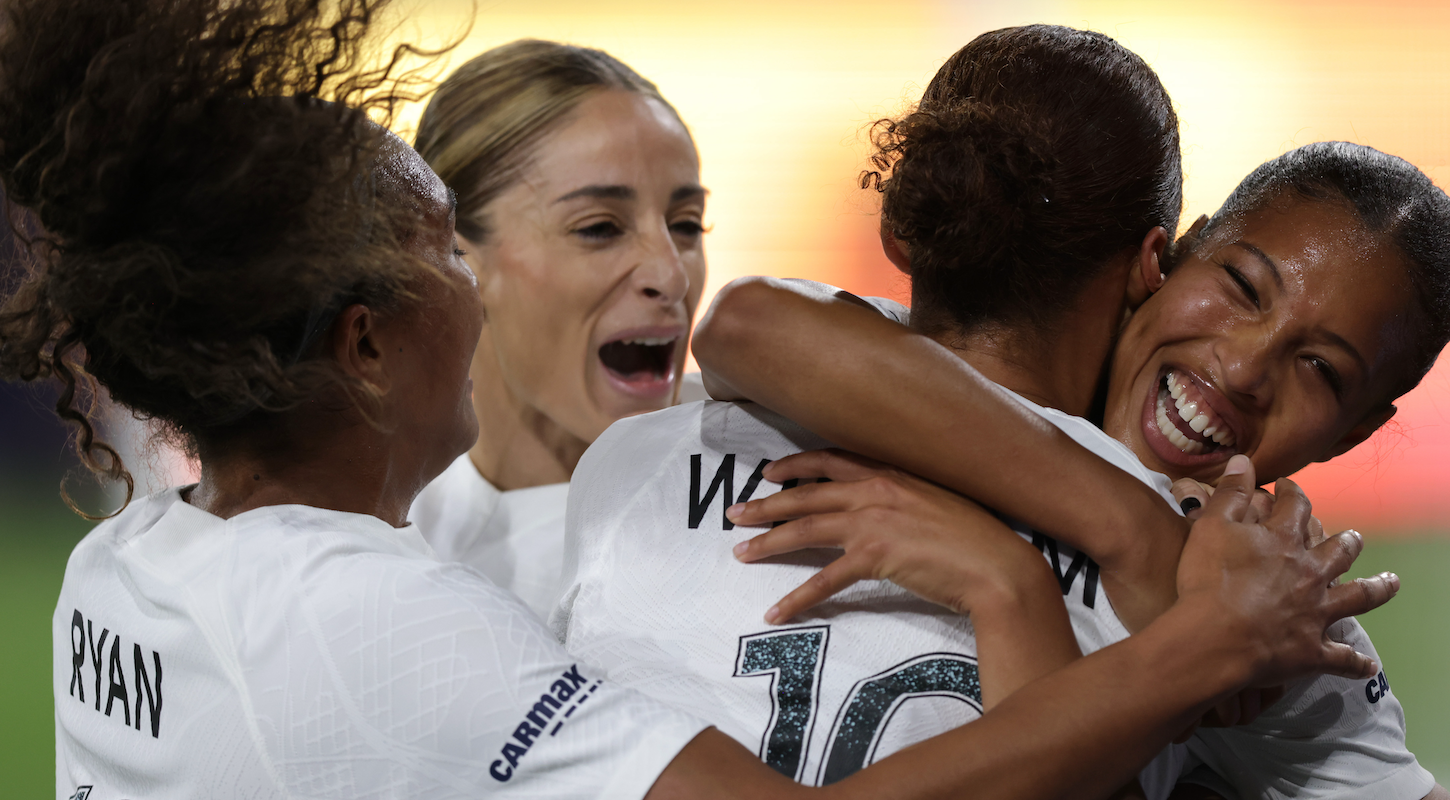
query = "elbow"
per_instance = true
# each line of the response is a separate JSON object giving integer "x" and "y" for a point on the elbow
{"x": 735, "y": 318}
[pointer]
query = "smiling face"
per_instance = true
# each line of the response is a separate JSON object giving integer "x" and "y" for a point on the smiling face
{"x": 593, "y": 266}
{"x": 1282, "y": 336}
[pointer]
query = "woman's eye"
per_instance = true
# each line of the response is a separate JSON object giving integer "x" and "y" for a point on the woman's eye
{"x": 1244, "y": 284}
{"x": 460, "y": 252}
{"x": 688, "y": 227}
{"x": 600, "y": 230}
{"x": 1329, "y": 373}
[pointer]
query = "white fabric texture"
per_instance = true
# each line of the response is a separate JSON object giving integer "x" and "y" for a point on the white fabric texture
{"x": 293, "y": 652}
{"x": 515, "y": 538}
{"x": 654, "y": 597}
{"x": 1326, "y": 738}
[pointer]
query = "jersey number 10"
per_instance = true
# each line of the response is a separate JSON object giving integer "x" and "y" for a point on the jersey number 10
{"x": 794, "y": 659}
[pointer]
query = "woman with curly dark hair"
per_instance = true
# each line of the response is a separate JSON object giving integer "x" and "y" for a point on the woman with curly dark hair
{"x": 230, "y": 246}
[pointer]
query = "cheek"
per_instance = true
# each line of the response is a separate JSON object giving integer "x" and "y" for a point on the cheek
{"x": 695, "y": 270}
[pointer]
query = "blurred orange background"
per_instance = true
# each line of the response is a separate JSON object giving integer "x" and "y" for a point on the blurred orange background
{"x": 779, "y": 96}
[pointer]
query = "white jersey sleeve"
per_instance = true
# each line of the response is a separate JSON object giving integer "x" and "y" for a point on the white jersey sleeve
{"x": 309, "y": 653}
{"x": 1328, "y": 738}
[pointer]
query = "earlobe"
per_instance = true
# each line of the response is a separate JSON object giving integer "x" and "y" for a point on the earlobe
{"x": 1364, "y": 429}
{"x": 1145, "y": 274}
{"x": 356, "y": 349}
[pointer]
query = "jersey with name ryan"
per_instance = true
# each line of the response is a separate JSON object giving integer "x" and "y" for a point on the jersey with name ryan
{"x": 292, "y": 651}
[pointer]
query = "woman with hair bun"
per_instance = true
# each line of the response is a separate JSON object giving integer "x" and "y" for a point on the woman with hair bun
{"x": 1282, "y": 329}
{"x": 1028, "y": 196}
{"x": 228, "y": 244}
{"x": 580, "y": 210}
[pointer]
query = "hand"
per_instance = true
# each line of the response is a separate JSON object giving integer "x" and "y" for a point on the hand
{"x": 892, "y": 526}
{"x": 1272, "y": 590}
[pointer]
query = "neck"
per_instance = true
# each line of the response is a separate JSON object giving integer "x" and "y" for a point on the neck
{"x": 518, "y": 446}
{"x": 313, "y": 459}
{"x": 1057, "y": 365}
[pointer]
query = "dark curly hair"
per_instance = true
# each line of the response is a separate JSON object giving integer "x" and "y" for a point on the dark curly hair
{"x": 1394, "y": 202}
{"x": 1035, "y": 155}
{"x": 201, "y": 173}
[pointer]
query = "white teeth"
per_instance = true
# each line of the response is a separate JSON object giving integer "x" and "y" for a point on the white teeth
{"x": 1188, "y": 411}
{"x": 1198, "y": 423}
{"x": 651, "y": 341}
{"x": 1209, "y": 431}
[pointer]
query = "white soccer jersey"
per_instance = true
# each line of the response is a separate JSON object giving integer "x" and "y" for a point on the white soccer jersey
{"x": 295, "y": 652}
{"x": 1326, "y": 738}
{"x": 654, "y": 596}
{"x": 515, "y": 538}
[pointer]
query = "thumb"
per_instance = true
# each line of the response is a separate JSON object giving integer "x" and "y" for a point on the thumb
{"x": 1234, "y": 492}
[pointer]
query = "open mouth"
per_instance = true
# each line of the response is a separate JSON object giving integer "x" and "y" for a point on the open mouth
{"x": 642, "y": 360}
{"x": 1187, "y": 421}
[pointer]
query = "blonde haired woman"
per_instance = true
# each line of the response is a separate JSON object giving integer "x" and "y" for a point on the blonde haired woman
{"x": 580, "y": 210}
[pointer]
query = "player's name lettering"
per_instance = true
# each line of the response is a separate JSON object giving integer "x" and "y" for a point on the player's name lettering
{"x": 553, "y": 709}
{"x": 1378, "y": 687}
{"x": 723, "y": 484}
{"x": 1080, "y": 563}
{"x": 145, "y": 680}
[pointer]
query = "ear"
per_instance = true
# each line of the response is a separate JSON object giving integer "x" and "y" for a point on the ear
{"x": 1362, "y": 430}
{"x": 896, "y": 251}
{"x": 356, "y": 348}
{"x": 1145, "y": 272}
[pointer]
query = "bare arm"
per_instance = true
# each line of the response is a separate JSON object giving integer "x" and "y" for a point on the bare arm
{"x": 840, "y": 369}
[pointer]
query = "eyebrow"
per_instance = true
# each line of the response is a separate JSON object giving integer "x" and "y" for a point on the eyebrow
{"x": 599, "y": 192}
{"x": 687, "y": 193}
{"x": 1268, "y": 262}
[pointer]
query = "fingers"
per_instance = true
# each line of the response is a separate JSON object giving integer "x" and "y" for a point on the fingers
{"x": 1336, "y": 554}
{"x": 1234, "y": 492}
{"x": 835, "y": 577}
{"x": 838, "y": 465}
{"x": 1289, "y": 505}
{"x": 1191, "y": 496}
{"x": 801, "y": 501}
{"x": 1341, "y": 659}
{"x": 1362, "y": 595}
{"x": 815, "y": 530}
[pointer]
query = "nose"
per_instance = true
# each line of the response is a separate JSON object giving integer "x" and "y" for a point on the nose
{"x": 660, "y": 274}
{"x": 1246, "y": 366}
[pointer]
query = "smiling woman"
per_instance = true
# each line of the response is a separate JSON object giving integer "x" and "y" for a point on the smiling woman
{"x": 1292, "y": 320}
{"x": 581, "y": 212}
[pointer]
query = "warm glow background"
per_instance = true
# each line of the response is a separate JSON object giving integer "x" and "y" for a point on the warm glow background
{"x": 778, "y": 96}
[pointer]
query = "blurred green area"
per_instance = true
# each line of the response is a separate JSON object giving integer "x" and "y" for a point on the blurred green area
{"x": 37, "y": 533}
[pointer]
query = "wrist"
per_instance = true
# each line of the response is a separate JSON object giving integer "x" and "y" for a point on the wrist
{"x": 1203, "y": 648}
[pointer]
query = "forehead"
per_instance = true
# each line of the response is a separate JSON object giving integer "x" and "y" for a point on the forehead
{"x": 405, "y": 176}
{"x": 616, "y": 137}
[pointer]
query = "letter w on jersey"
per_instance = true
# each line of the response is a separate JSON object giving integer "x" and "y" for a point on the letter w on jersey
{"x": 724, "y": 477}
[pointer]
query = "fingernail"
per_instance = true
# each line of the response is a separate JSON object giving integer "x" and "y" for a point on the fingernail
{"x": 1189, "y": 505}
{"x": 771, "y": 614}
{"x": 741, "y": 548}
{"x": 734, "y": 511}
{"x": 1237, "y": 465}
{"x": 1392, "y": 579}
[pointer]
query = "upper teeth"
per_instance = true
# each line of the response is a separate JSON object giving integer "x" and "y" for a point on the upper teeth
{"x": 652, "y": 341}
{"x": 1198, "y": 415}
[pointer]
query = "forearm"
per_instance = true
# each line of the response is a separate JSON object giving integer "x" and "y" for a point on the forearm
{"x": 1023, "y": 633}
{"x": 1082, "y": 732}
{"x": 840, "y": 370}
